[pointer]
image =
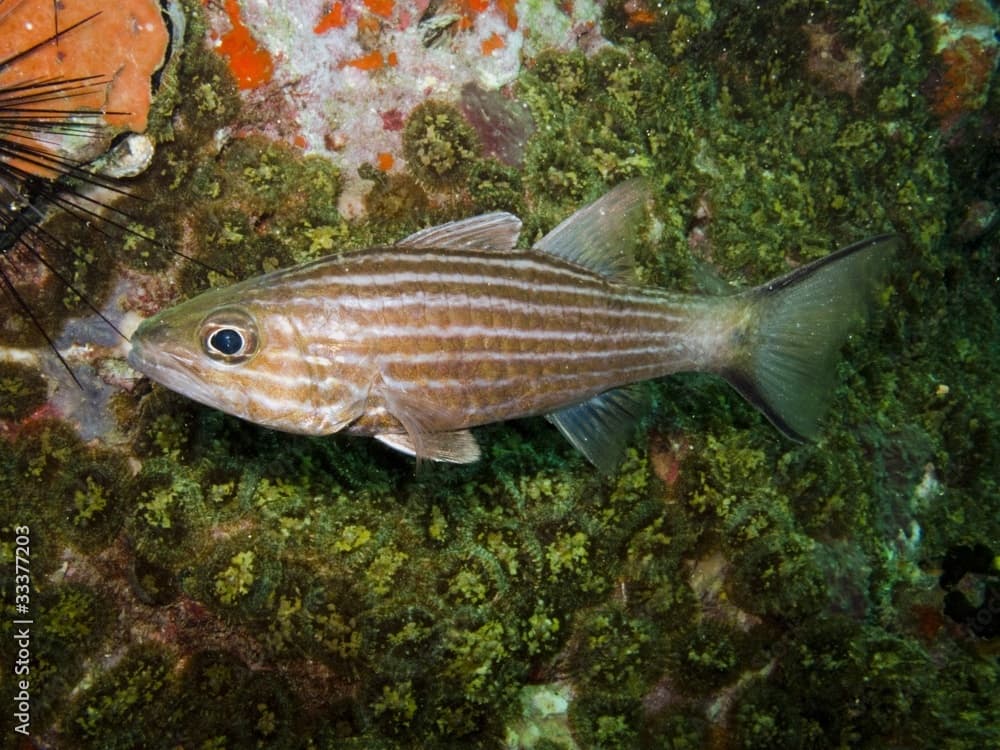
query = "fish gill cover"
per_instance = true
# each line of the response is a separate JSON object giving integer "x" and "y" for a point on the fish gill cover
{"x": 201, "y": 582}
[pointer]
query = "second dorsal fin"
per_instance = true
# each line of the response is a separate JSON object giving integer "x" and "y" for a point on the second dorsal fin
{"x": 601, "y": 236}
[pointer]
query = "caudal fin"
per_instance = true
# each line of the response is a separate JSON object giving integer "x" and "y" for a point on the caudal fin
{"x": 786, "y": 359}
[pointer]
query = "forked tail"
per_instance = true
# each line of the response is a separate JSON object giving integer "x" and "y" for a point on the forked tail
{"x": 785, "y": 359}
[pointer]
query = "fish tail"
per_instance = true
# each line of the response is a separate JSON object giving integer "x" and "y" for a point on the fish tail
{"x": 787, "y": 344}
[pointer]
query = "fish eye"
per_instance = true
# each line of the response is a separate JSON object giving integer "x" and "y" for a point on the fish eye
{"x": 229, "y": 336}
{"x": 227, "y": 341}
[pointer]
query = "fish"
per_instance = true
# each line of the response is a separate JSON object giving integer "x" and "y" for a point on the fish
{"x": 453, "y": 327}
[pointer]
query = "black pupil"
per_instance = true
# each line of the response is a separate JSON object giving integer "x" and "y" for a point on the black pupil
{"x": 226, "y": 341}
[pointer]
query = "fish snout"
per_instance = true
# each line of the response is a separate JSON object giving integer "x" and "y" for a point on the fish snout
{"x": 149, "y": 345}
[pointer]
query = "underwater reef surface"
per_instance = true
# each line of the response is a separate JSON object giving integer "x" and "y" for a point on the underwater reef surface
{"x": 196, "y": 581}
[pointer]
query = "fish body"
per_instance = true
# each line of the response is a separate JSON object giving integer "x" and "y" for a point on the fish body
{"x": 452, "y": 327}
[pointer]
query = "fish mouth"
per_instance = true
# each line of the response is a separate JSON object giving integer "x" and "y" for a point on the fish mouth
{"x": 171, "y": 369}
{"x": 142, "y": 361}
{"x": 160, "y": 365}
{"x": 150, "y": 352}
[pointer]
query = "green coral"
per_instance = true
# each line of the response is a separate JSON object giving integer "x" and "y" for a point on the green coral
{"x": 398, "y": 702}
{"x": 90, "y": 501}
{"x": 254, "y": 180}
{"x": 567, "y": 552}
{"x": 172, "y": 704}
{"x": 351, "y": 538}
{"x": 381, "y": 574}
{"x": 235, "y": 581}
{"x": 103, "y": 718}
{"x": 439, "y": 144}
{"x": 496, "y": 187}
{"x": 22, "y": 390}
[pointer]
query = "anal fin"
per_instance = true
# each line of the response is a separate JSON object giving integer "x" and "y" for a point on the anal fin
{"x": 457, "y": 447}
{"x": 601, "y": 427}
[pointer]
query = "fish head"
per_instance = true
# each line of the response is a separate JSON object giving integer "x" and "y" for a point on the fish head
{"x": 231, "y": 351}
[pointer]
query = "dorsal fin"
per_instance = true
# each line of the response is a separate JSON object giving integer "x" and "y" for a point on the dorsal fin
{"x": 493, "y": 231}
{"x": 601, "y": 236}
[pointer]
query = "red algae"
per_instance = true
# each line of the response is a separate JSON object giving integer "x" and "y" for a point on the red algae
{"x": 492, "y": 44}
{"x": 472, "y": 8}
{"x": 122, "y": 43}
{"x": 249, "y": 63}
{"x": 967, "y": 53}
{"x": 509, "y": 9}
{"x": 393, "y": 120}
{"x": 372, "y": 61}
{"x": 968, "y": 66}
{"x": 973, "y": 13}
{"x": 638, "y": 14}
{"x": 382, "y": 8}
{"x": 641, "y": 18}
{"x": 335, "y": 18}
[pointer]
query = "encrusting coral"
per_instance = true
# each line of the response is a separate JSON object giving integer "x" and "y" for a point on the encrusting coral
{"x": 106, "y": 55}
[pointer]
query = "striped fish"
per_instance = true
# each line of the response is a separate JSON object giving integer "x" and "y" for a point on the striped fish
{"x": 452, "y": 327}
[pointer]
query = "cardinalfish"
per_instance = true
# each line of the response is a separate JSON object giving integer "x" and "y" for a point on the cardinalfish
{"x": 417, "y": 342}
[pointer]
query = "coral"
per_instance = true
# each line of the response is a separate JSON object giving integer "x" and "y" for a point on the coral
{"x": 707, "y": 656}
{"x": 109, "y": 58}
{"x": 234, "y": 582}
{"x": 136, "y": 686}
{"x": 836, "y": 662}
{"x": 22, "y": 390}
{"x": 438, "y": 144}
{"x": 967, "y": 54}
{"x": 494, "y": 187}
{"x": 398, "y": 702}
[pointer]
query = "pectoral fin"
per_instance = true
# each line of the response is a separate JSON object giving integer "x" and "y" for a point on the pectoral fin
{"x": 422, "y": 419}
{"x": 459, "y": 447}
